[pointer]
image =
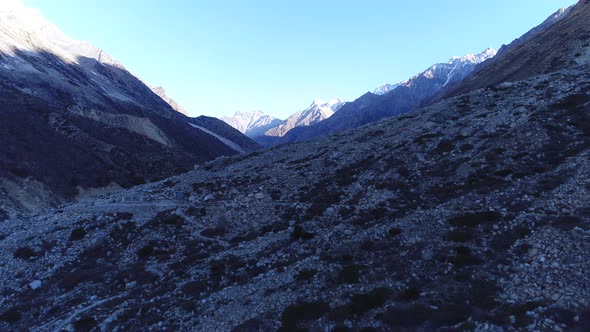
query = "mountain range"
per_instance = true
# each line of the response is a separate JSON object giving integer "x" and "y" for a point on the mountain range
{"x": 386, "y": 100}
{"x": 266, "y": 129}
{"x": 467, "y": 211}
{"x": 404, "y": 97}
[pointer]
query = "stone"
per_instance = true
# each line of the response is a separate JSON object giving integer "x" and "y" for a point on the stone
{"x": 259, "y": 195}
{"x": 506, "y": 86}
{"x": 35, "y": 284}
{"x": 208, "y": 198}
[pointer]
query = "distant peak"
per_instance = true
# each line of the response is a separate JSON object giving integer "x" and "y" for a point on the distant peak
{"x": 385, "y": 88}
{"x": 12, "y": 5}
{"x": 318, "y": 102}
{"x": 158, "y": 89}
{"x": 475, "y": 58}
{"x": 488, "y": 51}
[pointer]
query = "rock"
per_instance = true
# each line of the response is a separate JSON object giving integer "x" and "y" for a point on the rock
{"x": 208, "y": 198}
{"x": 259, "y": 195}
{"x": 506, "y": 86}
{"x": 427, "y": 255}
{"x": 35, "y": 284}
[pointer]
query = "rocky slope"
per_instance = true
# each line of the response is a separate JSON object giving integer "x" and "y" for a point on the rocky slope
{"x": 471, "y": 214}
{"x": 75, "y": 121}
{"x": 405, "y": 97}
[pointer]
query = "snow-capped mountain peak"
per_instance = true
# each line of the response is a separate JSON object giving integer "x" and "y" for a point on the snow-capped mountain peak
{"x": 385, "y": 88}
{"x": 319, "y": 110}
{"x": 486, "y": 54}
{"x": 317, "y": 102}
{"x": 251, "y": 123}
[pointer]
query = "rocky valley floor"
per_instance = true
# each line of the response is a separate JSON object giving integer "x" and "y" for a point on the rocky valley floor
{"x": 472, "y": 214}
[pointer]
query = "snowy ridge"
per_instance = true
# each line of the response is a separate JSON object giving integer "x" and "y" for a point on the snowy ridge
{"x": 461, "y": 63}
{"x": 454, "y": 70}
{"x": 385, "y": 88}
{"x": 488, "y": 53}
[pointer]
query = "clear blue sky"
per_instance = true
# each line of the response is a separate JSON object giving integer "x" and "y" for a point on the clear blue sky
{"x": 219, "y": 56}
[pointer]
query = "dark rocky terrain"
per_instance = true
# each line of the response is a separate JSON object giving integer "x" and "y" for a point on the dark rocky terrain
{"x": 74, "y": 122}
{"x": 472, "y": 214}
